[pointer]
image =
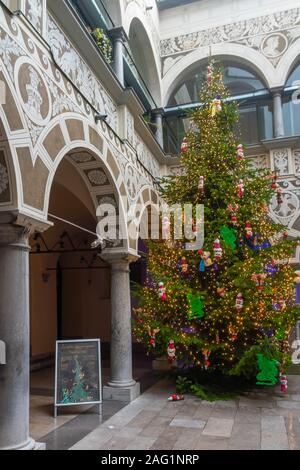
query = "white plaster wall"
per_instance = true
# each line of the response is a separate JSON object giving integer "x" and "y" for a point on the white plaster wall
{"x": 210, "y": 13}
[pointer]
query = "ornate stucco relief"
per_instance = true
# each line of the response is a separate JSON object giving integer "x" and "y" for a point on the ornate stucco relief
{"x": 271, "y": 35}
{"x": 79, "y": 73}
{"x": 34, "y": 12}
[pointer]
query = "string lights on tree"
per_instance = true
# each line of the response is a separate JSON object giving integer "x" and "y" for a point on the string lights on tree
{"x": 217, "y": 304}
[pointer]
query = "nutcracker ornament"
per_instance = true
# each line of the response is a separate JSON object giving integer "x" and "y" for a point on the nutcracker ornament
{"x": 201, "y": 184}
{"x": 274, "y": 184}
{"x": 152, "y": 334}
{"x": 221, "y": 291}
{"x": 297, "y": 277}
{"x": 240, "y": 189}
{"x": 184, "y": 266}
{"x": 239, "y": 302}
{"x": 176, "y": 398}
{"x": 232, "y": 209}
{"x": 206, "y": 362}
{"x": 171, "y": 352}
{"x": 271, "y": 268}
{"x": 162, "y": 291}
{"x": 285, "y": 234}
{"x": 240, "y": 152}
{"x": 210, "y": 72}
{"x": 279, "y": 196}
{"x": 166, "y": 227}
{"x": 282, "y": 304}
{"x": 283, "y": 382}
{"x": 218, "y": 252}
{"x": 233, "y": 333}
{"x": 216, "y": 106}
{"x": 248, "y": 230}
{"x": 184, "y": 146}
{"x": 206, "y": 261}
{"x": 259, "y": 280}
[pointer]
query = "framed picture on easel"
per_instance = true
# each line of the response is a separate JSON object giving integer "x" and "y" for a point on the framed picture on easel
{"x": 77, "y": 373}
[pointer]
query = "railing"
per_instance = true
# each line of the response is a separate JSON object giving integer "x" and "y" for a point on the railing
{"x": 256, "y": 120}
{"x": 133, "y": 77}
{"x": 95, "y": 15}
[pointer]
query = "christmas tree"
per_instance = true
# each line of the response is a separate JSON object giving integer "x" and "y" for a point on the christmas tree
{"x": 218, "y": 308}
{"x": 78, "y": 392}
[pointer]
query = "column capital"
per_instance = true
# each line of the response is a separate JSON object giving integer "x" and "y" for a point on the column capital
{"x": 276, "y": 91}
{"x": 14, "y": 235}
{"x": 121, "y": 259}
{"x": 158, "y": 112}
{"x": 118, "y": 34}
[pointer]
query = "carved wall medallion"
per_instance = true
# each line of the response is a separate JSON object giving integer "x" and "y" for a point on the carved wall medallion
{"x": 33, "y": 92}
{"x": 274, "y": 45}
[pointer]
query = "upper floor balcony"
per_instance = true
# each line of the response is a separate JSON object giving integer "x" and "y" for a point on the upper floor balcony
{"x": 94, "y": 15}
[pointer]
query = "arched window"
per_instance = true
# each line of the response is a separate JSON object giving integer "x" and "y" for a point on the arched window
{"x": 239, "y": 81}
{"x": 294, "y": 76}
{"x": 256, "y": 107}
{"x": 291, "y": 105}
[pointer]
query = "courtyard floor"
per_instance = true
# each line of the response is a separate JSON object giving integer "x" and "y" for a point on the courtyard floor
{"x": 262, "y": 419}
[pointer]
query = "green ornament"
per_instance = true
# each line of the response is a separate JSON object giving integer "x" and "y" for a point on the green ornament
{"x": 196, "y": 306}
{"x": 268, "y": 374}
{"x": 229, "y": 236}
{"x": 280, "y": 334}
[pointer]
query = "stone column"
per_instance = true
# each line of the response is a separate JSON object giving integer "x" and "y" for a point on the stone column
{"x": 14, "y": 331}
{"x": 277, "y": 115}
{"x": 159, "y": 133}
{"x": 121, "y": 385}
{"x": 118, "y": 37}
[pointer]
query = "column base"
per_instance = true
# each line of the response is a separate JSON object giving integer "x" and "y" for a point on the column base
{"x": 30, "y": 445}
{"x": 127, "y": 394}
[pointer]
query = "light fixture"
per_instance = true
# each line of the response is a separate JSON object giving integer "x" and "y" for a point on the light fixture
{"x": 100, "y": 117}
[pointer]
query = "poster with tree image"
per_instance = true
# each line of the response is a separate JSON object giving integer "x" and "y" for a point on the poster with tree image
{"x": 77, "y": 373}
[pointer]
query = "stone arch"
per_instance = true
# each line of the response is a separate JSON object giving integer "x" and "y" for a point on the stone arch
{"x": 148, "y": 198}
{"x": 287, "y": 64}
{"x": 85, "y": 146}
{"x": 13, "y": 127}
{"x": 246, "y": 56}
{"x": 135, "y": 23}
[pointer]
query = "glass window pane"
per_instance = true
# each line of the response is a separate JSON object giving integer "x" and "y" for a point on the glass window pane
{"x": 295, "y": 75}
{"x": 248, "y": 125}
{"x": 238, "y": 80}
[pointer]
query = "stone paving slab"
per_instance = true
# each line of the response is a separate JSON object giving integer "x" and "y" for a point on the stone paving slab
{"x": 188, "y": 440}
{"x": 218, "y": 427}
{"x": 273, "y": 433}
{"x": 187, "y": 423}
{"x": 211, "y": 443}
{"x": 263, "y": 421}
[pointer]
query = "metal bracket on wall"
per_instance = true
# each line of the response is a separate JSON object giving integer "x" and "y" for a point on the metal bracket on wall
{"x": 2, "y": 353}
